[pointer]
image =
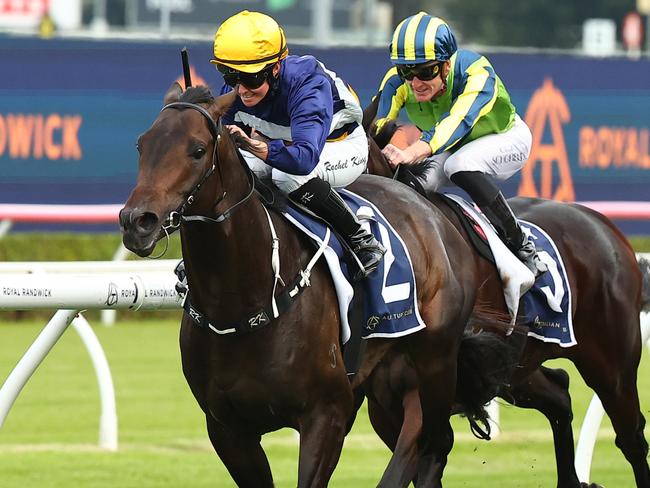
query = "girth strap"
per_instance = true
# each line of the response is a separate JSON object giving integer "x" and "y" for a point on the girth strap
{"x": 278, "y": 304}
{"x": 258, "y": 319}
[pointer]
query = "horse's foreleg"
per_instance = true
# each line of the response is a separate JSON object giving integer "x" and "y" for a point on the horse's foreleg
{"x": 322, "y": 431}
{"x": 242, "y": 454}
{"x": 547, "y": 390}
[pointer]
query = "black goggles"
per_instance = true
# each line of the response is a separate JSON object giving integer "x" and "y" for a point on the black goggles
{"x": 425, "y": 72}
{"x": 253, "y": 81}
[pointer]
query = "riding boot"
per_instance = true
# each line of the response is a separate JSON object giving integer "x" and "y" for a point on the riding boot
{"x": 318, "y": 197}
{"x": 494, "y": 206}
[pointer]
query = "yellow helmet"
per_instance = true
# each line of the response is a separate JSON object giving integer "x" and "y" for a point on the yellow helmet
{"x": 249, "y": 41}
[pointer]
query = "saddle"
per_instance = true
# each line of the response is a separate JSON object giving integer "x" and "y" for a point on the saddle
{"x": 544, "y": 304}
{"x": 477, "y": 236}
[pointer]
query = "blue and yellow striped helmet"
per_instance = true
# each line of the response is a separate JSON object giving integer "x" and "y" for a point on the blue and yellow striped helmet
{"x": 421, "y": 38}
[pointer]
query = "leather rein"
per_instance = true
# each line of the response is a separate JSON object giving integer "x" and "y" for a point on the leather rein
{"x": 278, "y": 304}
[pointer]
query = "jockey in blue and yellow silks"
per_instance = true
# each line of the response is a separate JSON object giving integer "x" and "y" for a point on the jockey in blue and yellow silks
{"x": 471, "y": 132}
{"x": 311, "y": 118}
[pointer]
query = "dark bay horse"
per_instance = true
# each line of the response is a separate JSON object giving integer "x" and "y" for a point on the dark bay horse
{"x": 609, "y": 291}
{"x": 252, "y": 371}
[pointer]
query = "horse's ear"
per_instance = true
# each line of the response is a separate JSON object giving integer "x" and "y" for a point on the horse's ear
{"x": 370, "y": 112}
{"x": 222, "y": 103}
{"x": 173, "y": 94}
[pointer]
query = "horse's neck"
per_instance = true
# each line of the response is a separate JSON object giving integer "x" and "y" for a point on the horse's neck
{"x": 229, "y": 264}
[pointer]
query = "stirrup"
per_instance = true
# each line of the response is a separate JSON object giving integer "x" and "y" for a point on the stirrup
{"x": 528, "y": 255}
{"x": 536, "y": 265}
{"x": 368, "y": 253}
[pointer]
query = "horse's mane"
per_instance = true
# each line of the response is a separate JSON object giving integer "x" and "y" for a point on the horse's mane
{"x": 420, "y": 169}
{"x": 197, "y": 94}
{"x": 243, "y": 143}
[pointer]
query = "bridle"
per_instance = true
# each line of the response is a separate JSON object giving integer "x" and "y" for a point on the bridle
{"x": 289, "y": 294}
{"x": 176, "y": 217}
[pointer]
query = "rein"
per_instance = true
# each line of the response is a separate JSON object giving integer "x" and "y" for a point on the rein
{"x": 288, "y": 295}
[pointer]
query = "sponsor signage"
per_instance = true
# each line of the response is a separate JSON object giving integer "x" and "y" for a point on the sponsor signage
{"x": 71, "y": 112}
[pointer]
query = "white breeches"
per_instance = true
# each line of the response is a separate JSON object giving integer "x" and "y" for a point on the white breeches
{"x": 341, "y": 162}
{"x": 498, "y": 155}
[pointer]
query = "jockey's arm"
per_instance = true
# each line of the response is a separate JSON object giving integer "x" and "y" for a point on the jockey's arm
{"x": 393, "y": 96}
{"x": 311, "y": 111}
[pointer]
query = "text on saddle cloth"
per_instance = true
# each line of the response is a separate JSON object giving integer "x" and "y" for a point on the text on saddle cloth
{"x": 547, "y": 305}
{"x": 547, "y": 300}
{"x": 390, "y": 304}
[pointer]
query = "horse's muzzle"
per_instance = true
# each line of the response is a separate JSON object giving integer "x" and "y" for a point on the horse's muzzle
{"x": 140, "y": 230}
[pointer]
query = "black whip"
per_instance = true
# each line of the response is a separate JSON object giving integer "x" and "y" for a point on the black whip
{"x": 186, "y": 68}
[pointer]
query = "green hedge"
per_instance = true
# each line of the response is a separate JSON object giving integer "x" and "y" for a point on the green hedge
{"x": 641, "y": 244}
{"x": 101, "y": 247}
{"x": 28, "y": 246}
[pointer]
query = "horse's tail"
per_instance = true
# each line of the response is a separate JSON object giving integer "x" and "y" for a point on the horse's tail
{"x": 644, "y": 264}
{"x": 486, "y": 362}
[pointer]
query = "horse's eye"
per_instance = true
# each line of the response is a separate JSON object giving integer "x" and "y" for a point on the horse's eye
{"x": 198, "y": 153}
{"x": 137, "y": 146}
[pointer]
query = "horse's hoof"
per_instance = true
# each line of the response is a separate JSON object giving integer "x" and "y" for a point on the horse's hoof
{"x": 590, "y": 485}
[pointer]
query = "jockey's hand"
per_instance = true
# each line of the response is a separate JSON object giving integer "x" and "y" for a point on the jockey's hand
{"x": 255, "y": 146}
{"x": 415, "y": 152}
{"x": 236, "y": 130}
{"x": 396, "y": 156}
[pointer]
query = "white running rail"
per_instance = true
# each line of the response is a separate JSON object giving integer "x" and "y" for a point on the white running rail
{"x": 23, "y": 286}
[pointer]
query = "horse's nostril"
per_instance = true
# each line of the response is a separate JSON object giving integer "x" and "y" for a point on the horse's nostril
{"x": 125, "y": 218}
{"x": 146, "y": 222}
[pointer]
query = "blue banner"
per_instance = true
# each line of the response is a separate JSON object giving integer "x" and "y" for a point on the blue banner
{"x": 71, "y": 111}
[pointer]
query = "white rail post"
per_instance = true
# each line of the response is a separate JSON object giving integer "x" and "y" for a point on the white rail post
{"x": 108, "y": 418}
{"x": 108, "y": 317}
{"x": 494, "y": 419}
{"x": 32, "y": 358}
{"x": 5, "y": 227}
{"x": 73, "y": 292}
{"x": 587, "y": 439}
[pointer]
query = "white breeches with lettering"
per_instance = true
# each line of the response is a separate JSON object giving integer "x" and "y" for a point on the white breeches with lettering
{"x": 341, "y": 162}
{"x": 498, "y": 155}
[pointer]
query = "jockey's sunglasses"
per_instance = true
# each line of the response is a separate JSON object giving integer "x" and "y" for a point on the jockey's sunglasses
{"x": 425, "y": 72}
{"x": 252, "y": 81}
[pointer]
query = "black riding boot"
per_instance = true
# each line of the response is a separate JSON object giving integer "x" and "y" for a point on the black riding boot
{"x": 494, "y": 206}
{"x": 318, "y": 196}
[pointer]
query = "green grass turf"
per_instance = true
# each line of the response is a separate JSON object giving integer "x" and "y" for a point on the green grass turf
{"x": 49, "y": 439}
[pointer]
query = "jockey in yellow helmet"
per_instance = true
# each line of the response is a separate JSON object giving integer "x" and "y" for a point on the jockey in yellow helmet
{"x": 471, "y": 132}
{"x": 311, "y": 118}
